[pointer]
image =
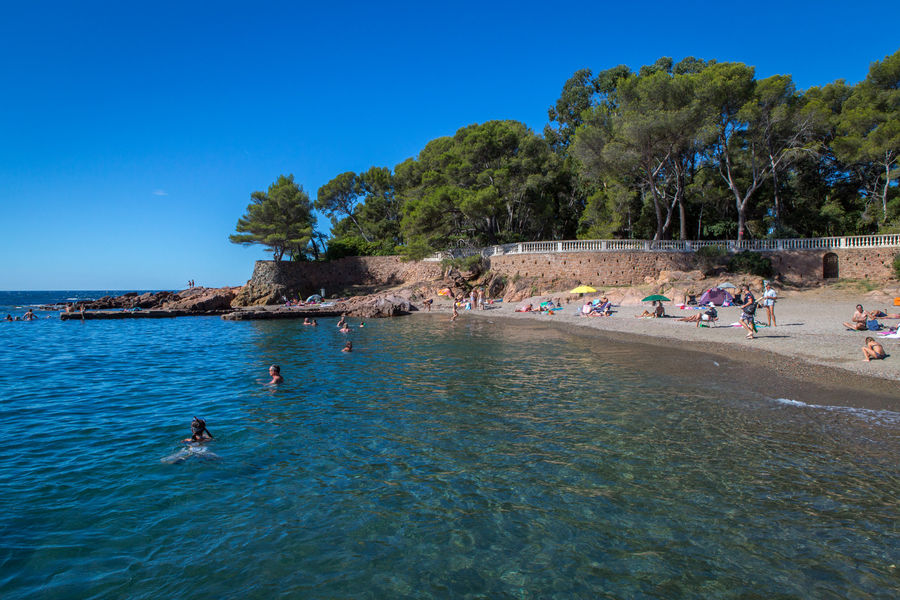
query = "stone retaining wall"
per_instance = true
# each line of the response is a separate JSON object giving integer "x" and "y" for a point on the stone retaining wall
{"x": 310, "y": 277}
{"x": 598, "y": 269}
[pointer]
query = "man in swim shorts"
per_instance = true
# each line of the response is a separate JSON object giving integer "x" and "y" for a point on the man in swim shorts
{"x": 748, "y": 313}
{"x": 275, "y": 372}
{"x": 858, "y": 320}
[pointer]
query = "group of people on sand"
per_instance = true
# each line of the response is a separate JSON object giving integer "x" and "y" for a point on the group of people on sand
{"x": 867, "y": 320}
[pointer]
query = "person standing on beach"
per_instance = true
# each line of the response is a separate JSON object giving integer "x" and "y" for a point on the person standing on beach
{"x": 769, "y": 302}
{"x": 455, "y": 314}
{"x": 748, "y": 313}
{"x": 275, "y": 372}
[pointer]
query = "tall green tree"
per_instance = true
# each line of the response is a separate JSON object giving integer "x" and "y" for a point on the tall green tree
{"x": 340, "y": 196}
{"x": 281, "y": 219}
{"x": 868, "y": 138}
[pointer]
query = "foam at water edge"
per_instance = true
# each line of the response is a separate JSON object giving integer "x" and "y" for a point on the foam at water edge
{"x": 884, "y": 417}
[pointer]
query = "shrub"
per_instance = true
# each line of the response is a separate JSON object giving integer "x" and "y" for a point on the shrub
{"x": 753, "y": 263}
{"x": 466, "y": 263}
{"x": 897, "y": 266}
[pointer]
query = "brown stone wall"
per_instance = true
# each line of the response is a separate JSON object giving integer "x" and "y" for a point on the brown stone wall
{"x": 595, "y": 269}
{"x": 356, "y": 270}
{"x": 853, "y": 263}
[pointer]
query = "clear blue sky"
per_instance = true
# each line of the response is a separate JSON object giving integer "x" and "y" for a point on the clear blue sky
{"x": 134, "y": 132}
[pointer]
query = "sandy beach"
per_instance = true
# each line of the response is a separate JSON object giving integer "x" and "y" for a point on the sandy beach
{"x": 809, "y": 341}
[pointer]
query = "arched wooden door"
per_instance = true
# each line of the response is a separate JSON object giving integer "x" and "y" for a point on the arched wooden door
{"x": 830, "y": 266}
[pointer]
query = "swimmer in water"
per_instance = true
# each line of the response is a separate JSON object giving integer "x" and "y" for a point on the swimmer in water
{"x": 199, "y": 432}
{"x": 29, "y": 315}
{"x": 345, "y": 329}
{"x": 363, "y": 324}
{"x": 275, "y": 372}
{"x": 315, "y": 323}
{"x": 306, "y": 321}
{"x": 342, "y": 322}
{"x": 8, "y": 318}
{"x": 348, "y": 347}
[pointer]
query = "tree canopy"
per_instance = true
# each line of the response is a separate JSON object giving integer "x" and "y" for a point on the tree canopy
{"x": 281, "y": 219}
{"x": 694, "y": 149}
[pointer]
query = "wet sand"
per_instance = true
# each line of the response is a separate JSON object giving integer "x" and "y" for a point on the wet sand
{"x": 809, "y": 343}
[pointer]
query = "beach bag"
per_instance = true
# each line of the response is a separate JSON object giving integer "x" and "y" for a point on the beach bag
{"x": 873, "y": 325}
{"x": 897, "y": 301}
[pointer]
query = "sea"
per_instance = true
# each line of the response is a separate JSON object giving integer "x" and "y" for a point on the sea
{"x": 474, "y": 459}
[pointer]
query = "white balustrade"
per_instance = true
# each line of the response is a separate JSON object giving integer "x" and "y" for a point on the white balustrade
{"x": 762, "y": 245}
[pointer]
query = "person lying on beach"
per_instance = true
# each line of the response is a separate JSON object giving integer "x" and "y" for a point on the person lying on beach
{"x": 883, "y": 314}
{"x": 858, "y": 320}
{"x": 199, "y": 432}
{"x": 348, "y": 347}
{"x": 275, "y": 372}
{"x": 704, "y": 317}
{"x": 528, "y": 308}
{"x": 658, "y": 312}
{"x": 873, "y": 349}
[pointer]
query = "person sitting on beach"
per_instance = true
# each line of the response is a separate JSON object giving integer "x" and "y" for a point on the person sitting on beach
{"x": 604, "y": 308}
{"x": 873, "y": 349}
{"x": 858, "y": 320}
{"x": 658, "y": 312}
{"x": 199, "y": 432}
{"x": 275, "y": 372}
{"x": 586, "y": 309}
{"x": 348, "y": 347}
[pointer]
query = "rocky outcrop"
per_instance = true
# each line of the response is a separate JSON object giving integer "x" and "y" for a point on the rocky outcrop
{"x": 202, "y": 299}
{"x": 374, "y": 307}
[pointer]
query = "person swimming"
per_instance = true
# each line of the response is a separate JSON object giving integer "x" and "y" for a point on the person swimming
{"x": 348, "y": 347}
{"x": 199, "y": 432}
{"x": 275, "y": 372}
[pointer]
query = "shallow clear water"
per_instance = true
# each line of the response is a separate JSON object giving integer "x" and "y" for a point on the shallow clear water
{"x": 435, "y": 461}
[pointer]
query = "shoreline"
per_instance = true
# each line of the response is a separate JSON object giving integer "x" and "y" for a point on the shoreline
{"x": 809, "y": 345}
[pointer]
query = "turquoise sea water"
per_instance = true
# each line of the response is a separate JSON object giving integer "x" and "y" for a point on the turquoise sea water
{"x": 438, "y": 460}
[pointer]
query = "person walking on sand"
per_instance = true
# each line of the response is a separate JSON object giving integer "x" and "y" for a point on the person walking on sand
{"x": 748, "y": 313}
{"x": 275, "y": 372}
{"x": 873, "y": 349}
{"x": 455, "y": 314}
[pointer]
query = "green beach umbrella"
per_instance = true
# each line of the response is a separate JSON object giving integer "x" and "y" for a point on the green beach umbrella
{"x": 656, "y": 297}
{"x": 583, "y": 289}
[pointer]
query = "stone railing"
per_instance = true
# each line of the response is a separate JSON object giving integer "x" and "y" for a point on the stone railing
{"x": 763, "y": 245}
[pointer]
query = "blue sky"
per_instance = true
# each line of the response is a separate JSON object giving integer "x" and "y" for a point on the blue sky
{"x": 134, "y": 132}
